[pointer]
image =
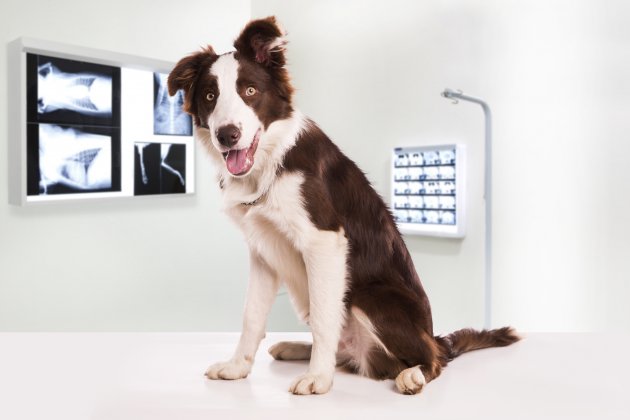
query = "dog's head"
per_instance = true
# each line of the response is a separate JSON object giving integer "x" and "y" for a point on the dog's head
{"x": 236, "y": 96}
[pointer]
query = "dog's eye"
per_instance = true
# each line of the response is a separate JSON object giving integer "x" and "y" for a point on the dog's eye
{"x": 250, "y": 91}
{"x": 210, "y": 96}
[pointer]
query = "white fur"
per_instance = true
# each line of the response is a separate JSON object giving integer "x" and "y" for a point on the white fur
{"x": 312, "y": 264}
{"x": 274, "y": 142}
{"x": 230, "y": 107}
{"x": 261, "y": 293}
{"x": 278, "y": 44}
{"x": 410, "y": 381}
{"x": 232, "y": 369}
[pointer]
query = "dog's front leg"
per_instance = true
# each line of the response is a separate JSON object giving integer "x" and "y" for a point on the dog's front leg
{"x": 261, "y": 292}
{"x": 325, "y": 259}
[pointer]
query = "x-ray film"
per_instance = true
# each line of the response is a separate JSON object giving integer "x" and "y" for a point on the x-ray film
{"x": 160, "y": 168}
{"x": 85, "y": 93}
{"x": 71, "y": 160}
{"x": 72, "y": 92}
{"x": 168, "y": 116}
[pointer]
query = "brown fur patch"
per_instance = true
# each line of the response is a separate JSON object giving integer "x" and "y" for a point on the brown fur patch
{"x": 255, "y": 44}
{"x": 189, "y": 75}
{"x": 382, "y": 282}
{"x": 382, "y": 279}
{"x": 271, "y": 102}
{"x": 256, "y": 39}
{"x": 467, "y": 339}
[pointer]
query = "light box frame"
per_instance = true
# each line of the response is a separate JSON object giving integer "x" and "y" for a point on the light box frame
{"x": 131, "y": 133}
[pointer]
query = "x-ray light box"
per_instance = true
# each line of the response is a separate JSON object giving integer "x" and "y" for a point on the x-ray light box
{"x": 428, "y": 190}
{"x": 89, "y": 124}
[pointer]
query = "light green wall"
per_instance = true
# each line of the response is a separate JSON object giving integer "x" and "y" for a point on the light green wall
{"x": 555, "y": 74}
{"x": 370, "y": 73}
{"x": 156, "y": 264}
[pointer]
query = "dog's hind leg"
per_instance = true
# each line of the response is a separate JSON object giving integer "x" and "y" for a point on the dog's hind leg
{"x": 291, "y": 350}
{"x": 407, "y": 351}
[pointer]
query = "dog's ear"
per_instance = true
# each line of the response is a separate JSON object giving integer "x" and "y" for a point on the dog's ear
{"x": 186, "y": 73}
{"x": 263, "y": 41}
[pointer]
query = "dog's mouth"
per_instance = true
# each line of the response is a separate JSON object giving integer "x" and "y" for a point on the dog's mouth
{"x": 240, "y": 161}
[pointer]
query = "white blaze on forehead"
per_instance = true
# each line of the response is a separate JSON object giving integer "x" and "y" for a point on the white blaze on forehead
{"x": 230, "y": 107}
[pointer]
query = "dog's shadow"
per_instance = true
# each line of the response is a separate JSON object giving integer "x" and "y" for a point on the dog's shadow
{"x": 288, "y": 368}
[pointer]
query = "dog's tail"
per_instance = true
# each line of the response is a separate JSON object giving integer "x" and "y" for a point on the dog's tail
{"x": 468, "y": 339}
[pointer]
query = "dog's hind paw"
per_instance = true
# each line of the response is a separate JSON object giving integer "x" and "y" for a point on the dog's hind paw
{"x": 233, "y": 369}
{"x": 291, "y": 350}
{"x": 410, "y": 381}
{"x": 311, "y": 384}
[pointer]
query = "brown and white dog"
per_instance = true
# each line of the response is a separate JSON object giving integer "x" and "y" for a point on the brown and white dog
{"x": 313, "y": 223}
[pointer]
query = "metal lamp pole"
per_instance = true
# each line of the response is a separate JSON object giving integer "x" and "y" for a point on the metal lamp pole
{"x": 456, "y": 96}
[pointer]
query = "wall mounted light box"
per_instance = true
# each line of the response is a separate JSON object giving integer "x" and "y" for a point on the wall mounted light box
{"x": 89, "y": 124}
{"x": 428, "y": 190}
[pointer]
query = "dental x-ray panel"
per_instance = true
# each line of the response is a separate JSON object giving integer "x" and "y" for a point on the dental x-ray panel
{"x": 160, "y": 168}
{"x": 92, "y": 124}
{"x": 168, "y": 116}
{"x": 428, "y": 190}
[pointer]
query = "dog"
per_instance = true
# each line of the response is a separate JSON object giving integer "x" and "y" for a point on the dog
{"x": 314, "y": 223}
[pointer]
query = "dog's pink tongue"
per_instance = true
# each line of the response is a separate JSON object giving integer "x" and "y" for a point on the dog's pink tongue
{"x": 237, "y": 161}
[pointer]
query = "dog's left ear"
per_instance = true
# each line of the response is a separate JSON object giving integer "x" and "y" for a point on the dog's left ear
{"x": 263, "y": 41}
{"x": 185, "y": 74}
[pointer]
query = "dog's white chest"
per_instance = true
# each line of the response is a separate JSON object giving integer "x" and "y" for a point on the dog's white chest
{"x": 276, "y": 229}
{"x": 280, "y": 231}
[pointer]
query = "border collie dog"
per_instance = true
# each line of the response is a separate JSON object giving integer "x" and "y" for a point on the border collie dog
{"x": 314, "y": 224}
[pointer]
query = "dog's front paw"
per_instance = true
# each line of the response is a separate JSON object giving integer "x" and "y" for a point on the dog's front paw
{"x": 311, "y": 384}
{"x": 410, "y": 381}
{"x": 233, "y": 369}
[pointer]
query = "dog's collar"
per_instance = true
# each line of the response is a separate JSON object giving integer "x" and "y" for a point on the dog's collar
{"x": 252, "y": 203}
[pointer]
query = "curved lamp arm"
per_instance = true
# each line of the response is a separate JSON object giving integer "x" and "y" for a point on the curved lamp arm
{"x": 456, "y": 96}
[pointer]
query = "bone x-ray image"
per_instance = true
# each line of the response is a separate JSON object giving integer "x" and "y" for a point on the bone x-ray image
{"x": 168, "y": 116}
{"x": 66, "y": 159}
{"x": 160, "y": 168}
{"x": 72, "y": 92}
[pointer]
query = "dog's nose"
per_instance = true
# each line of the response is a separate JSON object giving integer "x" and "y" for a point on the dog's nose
{"x": 228, "y": 135}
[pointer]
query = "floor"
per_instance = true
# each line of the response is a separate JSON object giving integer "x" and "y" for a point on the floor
{"x": 160, "y": 376}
